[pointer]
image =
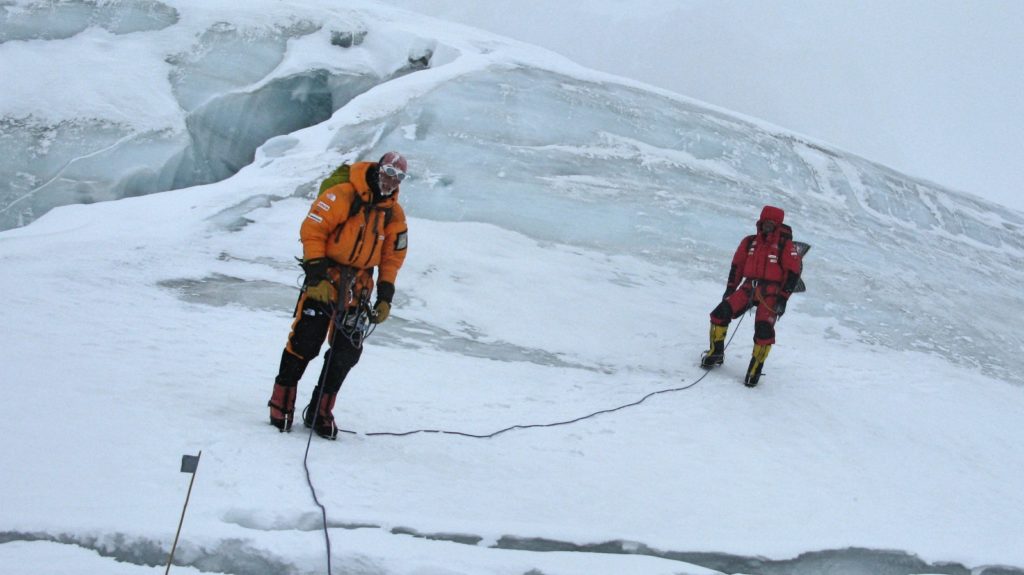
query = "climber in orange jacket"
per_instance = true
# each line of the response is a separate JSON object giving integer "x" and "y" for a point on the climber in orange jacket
{"x": 765, "y": 270}
{"x": 352, "y": 228}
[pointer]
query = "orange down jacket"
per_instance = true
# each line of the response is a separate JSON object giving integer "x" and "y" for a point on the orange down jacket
{"x": 345, "y": 225}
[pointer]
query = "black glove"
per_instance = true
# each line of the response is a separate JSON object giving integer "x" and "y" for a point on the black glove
{"x": 780, "y": 304}
{"x": 385, "y": 291}
{"x": 316, "y": 270}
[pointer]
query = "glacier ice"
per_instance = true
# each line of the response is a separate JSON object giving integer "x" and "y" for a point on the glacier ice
{"x": 600, "y": 164}
{"x": 901, "y": 262}
{"x": 623, "y": 170}
{"x": 56, "y": 20}
{"x": 225, "y": 132}
{"x": 233, "y": 93}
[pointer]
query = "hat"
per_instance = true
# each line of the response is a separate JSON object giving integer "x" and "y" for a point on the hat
{"x": 772, "y": 214}
{"x": 391, "y": 170}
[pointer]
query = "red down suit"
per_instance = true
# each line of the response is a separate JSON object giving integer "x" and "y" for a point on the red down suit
{"x": 764, "y": 272}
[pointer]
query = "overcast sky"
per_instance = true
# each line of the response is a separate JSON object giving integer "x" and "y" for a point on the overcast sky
{"x": 933, "y": 88}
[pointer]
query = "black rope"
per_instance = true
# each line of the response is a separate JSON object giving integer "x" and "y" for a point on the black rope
{"x": 535, "y": 425}
{"x": 316, "y": 414}
{"x": 309, "y": 440}
{"x": 333, "y": 309}
{"x": 323, "y": 510}
{"x": 557, "y": 423}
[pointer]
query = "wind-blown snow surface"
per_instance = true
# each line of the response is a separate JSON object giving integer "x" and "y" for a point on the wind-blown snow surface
{"x": 570, "y": 233}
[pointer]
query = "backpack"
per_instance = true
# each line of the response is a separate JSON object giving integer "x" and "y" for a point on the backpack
{"x": 801, "y": 249}
{"x": 786, "y": 234}
{"x": 340, "y": 175}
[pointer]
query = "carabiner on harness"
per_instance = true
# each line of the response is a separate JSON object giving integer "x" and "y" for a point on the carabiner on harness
{"x": 354, "y": 322}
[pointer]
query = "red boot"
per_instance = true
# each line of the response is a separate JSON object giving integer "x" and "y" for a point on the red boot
{"x": 282, "y": 407}
{"x": 324, "y": 417}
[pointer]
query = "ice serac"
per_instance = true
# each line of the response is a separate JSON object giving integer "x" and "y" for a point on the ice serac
{"x": 56, "y": 20}
{"x": 903, "y": 262}
{"x": 233, "y": 97}
{"x": 225, "y": 131}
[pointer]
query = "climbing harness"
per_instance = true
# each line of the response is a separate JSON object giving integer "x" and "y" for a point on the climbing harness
{"x": 354, "y": 323}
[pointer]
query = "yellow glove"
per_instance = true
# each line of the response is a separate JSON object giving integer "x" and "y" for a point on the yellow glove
{"x": 381, "y": 311}
{"x": 321, "y": 291}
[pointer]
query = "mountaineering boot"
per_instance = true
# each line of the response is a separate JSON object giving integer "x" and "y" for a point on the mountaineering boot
{"x": 715, "y": 355}
{"x": 322, "y": 413}
{"x": 756, "y": 363}
{"x": 282, "y": 407}
{"x": 286, "y": 384}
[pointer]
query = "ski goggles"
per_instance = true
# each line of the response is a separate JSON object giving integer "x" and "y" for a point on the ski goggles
{"x": 393, "y": 172}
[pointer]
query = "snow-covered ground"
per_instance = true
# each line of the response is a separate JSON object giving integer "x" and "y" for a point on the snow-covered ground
{"x": 569, "y": 234}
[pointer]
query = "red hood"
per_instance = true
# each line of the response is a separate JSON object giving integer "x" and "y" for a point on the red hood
{"x": 771, "y": 213}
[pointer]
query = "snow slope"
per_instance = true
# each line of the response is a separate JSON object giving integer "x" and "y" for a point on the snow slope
{"x": 928, "y": 88}
{"x": 569, "y": 234}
